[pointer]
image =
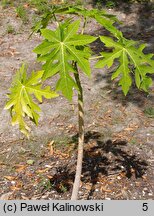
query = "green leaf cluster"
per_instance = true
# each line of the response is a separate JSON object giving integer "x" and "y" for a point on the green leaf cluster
{"x": 66, "y": 51}
{"x": 42, "y": 23}
{"x": 21, "y": 102}
{"x": 106, "y": 20}
{"x": 59, "y": 49}
{"x": 132, "y": 60}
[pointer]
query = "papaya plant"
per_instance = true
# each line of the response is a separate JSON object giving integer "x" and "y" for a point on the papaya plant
{"x": 66, "y": 51}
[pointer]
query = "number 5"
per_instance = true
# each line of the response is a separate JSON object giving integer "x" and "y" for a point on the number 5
{"x": 145, "y": 207}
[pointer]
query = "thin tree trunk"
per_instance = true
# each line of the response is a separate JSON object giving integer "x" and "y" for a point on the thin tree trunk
{"x": 76, "y": 185}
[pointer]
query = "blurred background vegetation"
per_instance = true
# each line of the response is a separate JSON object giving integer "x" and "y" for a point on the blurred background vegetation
{"x": 35, "y": 8}
{"x": 42, "y": 5}
{"x": 116, "y": 3}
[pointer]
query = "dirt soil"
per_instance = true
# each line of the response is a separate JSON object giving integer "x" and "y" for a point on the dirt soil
{"x": 119, "y": 141}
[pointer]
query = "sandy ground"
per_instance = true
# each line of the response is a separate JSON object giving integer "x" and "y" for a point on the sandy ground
{"x": 118, "y": 158}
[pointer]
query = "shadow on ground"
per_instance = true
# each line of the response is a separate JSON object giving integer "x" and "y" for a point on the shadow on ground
{"x": 101, "y": 159}
{"x": 122, "y": 5}
{"x": 138, "y": 27}
{"x": 135, "y": 96}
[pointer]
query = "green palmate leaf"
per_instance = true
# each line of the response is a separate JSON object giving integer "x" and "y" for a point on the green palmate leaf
{"x": 20, "y": 101}
{"x": 59, "y": 49}
{"x": 129, "y": 54}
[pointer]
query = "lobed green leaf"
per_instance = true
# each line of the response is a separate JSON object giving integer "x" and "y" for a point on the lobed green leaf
{"x": 129, "y": 55}
{"x": 59, "y": 49}
{"x": 21, "y": 102}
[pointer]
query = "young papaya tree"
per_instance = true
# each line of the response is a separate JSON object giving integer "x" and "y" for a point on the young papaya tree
{"x": 66, "y": 51}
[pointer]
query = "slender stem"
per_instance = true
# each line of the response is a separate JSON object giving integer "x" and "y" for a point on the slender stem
{"x": 84, "y": 25}
{"x": 76, "y": 184}
{"x": 55, "y": 18}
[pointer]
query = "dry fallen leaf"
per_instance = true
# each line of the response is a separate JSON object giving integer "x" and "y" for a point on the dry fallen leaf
{"x": 61, "y": 155}
{"x": 129, "y": 129}
{"x": 144, "y": 178}
{"x": 105, "y": 190}
{"x": 50, "y": 177}
{"x": 123, "y": 174}
{"x": 6, "y": 196}
{"x": 10, "y": 178}
{"x": 42, "y": 170}
{"x": 20, "y": 168}
{"x": 17, "y": 186}
{"x": 26, "y": 5}
{"x": 88, "y": 186}
{"x": 138, "y": 184}
{"x": 50, "y": 145}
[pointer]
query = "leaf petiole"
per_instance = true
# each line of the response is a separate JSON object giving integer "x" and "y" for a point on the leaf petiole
{"x": 95, "y": 57}
{"x": 84, "y": 25}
